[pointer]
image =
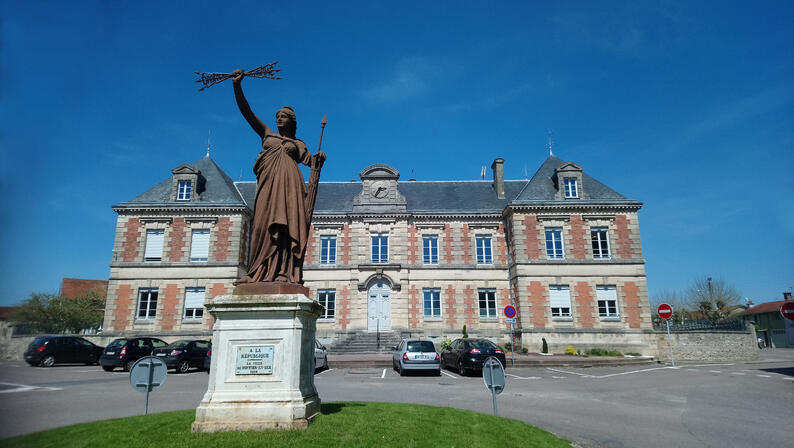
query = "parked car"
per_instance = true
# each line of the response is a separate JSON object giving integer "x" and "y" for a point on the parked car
{"x": 416, "y": 354}
{"x": 184, "y": 354}
{"x": 320, "y": 356}
{"x": 123, "y": 352}
{"x": 45, "y": 351}
{"x": 468, "y": 355}
{"x": 208, "y": 360}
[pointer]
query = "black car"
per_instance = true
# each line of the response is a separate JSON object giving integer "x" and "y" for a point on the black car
{"x": 45, "y": 351}
{"x": 208, "y": 360}
{"x": 123, "y": 352}
{"x": 184, "y": 354}
{"x": 468, "y": 355}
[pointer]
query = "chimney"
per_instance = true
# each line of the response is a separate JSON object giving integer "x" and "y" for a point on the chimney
{"x": 499, "y": 177}
{"x": 786, "y": 296}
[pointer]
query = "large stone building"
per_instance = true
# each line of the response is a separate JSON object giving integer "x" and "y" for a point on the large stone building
{"x": 405, "y": 257}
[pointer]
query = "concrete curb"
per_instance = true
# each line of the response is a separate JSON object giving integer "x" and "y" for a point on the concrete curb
{"x": 349, "y": 361}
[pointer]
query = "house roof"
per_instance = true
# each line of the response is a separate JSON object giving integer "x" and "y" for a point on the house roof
{"x": 442, "y": 197}
{"x": 76, "y": 287}
{"x": 768, "y": 307}
{"x": 215, "y": 187}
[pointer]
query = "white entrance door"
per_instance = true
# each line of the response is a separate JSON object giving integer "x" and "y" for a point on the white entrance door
{"x": 379, "y": 307}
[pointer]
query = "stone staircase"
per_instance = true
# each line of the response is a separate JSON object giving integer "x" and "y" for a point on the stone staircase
{"x": 365, "y": 342}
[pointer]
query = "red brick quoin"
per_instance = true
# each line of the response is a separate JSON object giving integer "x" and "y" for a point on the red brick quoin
{"x": 177, "y": 244}
{"x": 345, "y": 241}
{"x": 468, "y": 253}
{"x": 537, "y": 305}
{"x": 470, "y": 310}
{"x": 170, "y": 306}
{"x": 308, "y": 258}
{"x": 584, "y": 304}
{"x": 500, "y": 246}
{"x": 124, "y": 303}
{"x": 129, "y": 245}
{"x": 447, "y": 244}
{"x": 344, "y": 307}
{"x": 223, "y": 241}
{"x": 449, "y": 301}
{"x": 631, "y": 304}
{"x": 413, "y": 243}
{"x": 531, "y": 238}
{"x": 624, "y": 249}
{"x": 413, "y": 307}
{"x": 578, "y": 248}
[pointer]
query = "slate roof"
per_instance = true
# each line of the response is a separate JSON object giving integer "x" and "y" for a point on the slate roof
{"x": 541, "y": 187}
{"x": 218, "y": 189}
{"x": 443, "y": 197}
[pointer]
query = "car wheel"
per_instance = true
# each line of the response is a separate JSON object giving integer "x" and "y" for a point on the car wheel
{"x": 442, "y": 364}
{"x": 460, "y": 368}
{"x": 47, "y": 361}
{"x": 183, "y": 366}
{"x": 107, "y": 368}
{"x": 128, "y": 365}
{"x": 438, "y": 372}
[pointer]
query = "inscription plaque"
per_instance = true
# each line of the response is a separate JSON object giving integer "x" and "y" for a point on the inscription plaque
{"x": 254, "y": 360}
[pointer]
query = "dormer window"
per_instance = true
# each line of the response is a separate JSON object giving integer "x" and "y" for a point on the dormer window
{"x": 185, "y": 187}
{"x": 571, "y": 190}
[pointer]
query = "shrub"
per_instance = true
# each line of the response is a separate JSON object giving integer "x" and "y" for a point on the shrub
{"x": 444, "y": 344}
{"x": 569, "y": 350}
{"x": 545, "y": 348}
{"x": 465, "y": 333}
{"x": 524, "y": 350}
{"x": 603, "y": 352}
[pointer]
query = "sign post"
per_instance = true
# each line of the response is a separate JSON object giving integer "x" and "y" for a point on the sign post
{"x": 146, "y": 375}
{"x": 493, "y": 374}
{"x": 665, "y": 311}
{"x": 510, "y": 314}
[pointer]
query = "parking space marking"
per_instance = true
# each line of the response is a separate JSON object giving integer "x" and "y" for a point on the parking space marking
{"x": 764, "y": 376}
{"x": 559, "y": 377}
{"x": 523, "y": 377}
{"x": 24, "y": 388}
{"x": 449, "y": 375}
{"x": 715, "y": 371}
{"x": 714, "y": 365}
{"x": 693, "y": 370}
{"x": 569, "y": 373}
{"x": 737, "y": 373}
{"x": 383, "y": 375}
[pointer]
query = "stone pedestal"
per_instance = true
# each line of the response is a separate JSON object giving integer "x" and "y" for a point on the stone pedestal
{"x": 262, "y": 373}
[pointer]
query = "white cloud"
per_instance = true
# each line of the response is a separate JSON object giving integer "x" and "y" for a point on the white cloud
{"x": 411, "y": 76}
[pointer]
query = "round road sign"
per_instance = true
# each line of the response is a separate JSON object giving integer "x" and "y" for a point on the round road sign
{"x": 510, "y": 311}
{"x": 665, "y": 311}
{"x": 148, "y": 374}
{"x": 787, "y": 310}
{"x": 493, "y": 374}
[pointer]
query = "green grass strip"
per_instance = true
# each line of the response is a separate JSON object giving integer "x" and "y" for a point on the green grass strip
{"x": 345, "y": 424}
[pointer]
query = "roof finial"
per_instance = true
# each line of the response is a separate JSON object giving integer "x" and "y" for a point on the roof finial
{"x": 551, "y": 144}
{"x": 208, "y": 142}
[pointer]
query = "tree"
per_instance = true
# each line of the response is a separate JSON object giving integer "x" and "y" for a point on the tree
{"x": 48, "y": 313}
{"x": 711, "y": 298}
{"x": 681, "y": 309}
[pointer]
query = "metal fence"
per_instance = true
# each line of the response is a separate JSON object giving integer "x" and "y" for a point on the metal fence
{"x": 703, "y": 325}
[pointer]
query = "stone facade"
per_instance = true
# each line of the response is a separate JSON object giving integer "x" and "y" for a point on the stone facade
{"x": 414, "y": 258}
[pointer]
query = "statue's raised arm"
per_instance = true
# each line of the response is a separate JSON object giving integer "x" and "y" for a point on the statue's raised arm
{"x": 259, "y": 127}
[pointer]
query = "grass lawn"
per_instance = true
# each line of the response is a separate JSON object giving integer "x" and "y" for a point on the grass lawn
{"x": 345, "y": 424}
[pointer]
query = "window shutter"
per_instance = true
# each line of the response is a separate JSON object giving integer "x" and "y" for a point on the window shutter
{"x": 200, "y": 245}
{"x": 194, "y": 298}
{"x": 154, "y": 244}
{"x": 606, "y": 293}
{"x": 559, "y": 297}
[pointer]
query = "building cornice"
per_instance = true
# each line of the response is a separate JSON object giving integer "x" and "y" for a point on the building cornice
{"x": 182, "y": 209}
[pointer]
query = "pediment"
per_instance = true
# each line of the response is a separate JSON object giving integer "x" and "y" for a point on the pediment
{"x": 568, "y": 166}
{"x": 185, "y": 169}
{"x": 379, "y": 171}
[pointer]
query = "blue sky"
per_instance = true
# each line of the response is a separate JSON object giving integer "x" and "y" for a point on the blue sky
{"x": 685, "y": 106}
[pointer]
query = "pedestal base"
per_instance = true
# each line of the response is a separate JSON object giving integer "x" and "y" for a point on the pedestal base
{"x": 262, "y": 369}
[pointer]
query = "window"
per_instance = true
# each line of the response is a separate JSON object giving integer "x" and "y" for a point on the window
{"x": 183, "y": 194}
{"x": 484, "y": 255}
{"x": 327, "y": 298}
{"x": 432, "y": 302}
{"x": 600, "y": 239}
{"x": 327, "y": 249}
{"x": 554, "y": 247}
{"x": 380, "y": 248}
{"x": 147, "y": 303}
{"x": 430, "y": 249}
{"x": 570, "y": 188}
{"x": 607, "y": 301}
{"x": 154, "y": 245}
{"x": 487, "y": 303}
{"x": 194, "y": 303}
{"x": 560, "y": 300}
{"x": 200, "y": 245}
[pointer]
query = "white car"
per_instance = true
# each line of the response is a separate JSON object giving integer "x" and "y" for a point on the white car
{"x": 320, "y": 358}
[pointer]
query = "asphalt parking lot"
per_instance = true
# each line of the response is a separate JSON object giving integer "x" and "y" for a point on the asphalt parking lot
{"x": 693, "y": 405}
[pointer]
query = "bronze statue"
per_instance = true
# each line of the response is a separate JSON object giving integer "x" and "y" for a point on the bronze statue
{"x": 284, "y": 204}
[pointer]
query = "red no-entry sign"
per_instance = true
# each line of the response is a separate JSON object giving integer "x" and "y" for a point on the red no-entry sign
{"x": 787, "y": 310}
{"x": 665, "y": 311}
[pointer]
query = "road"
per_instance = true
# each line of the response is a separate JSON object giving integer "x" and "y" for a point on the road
{"x": 693, "y": 405}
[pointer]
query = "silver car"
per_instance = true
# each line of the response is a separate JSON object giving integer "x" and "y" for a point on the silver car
{"x": 416, "y": 354}
{"x": 320, "y": 357}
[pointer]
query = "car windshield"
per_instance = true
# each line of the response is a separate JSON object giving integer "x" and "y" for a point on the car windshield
{"x": 482, "y": 344}
{"x": 420, "y": 346}
{"x": 117, "y": 343}
{"x": 179, "y": 344}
